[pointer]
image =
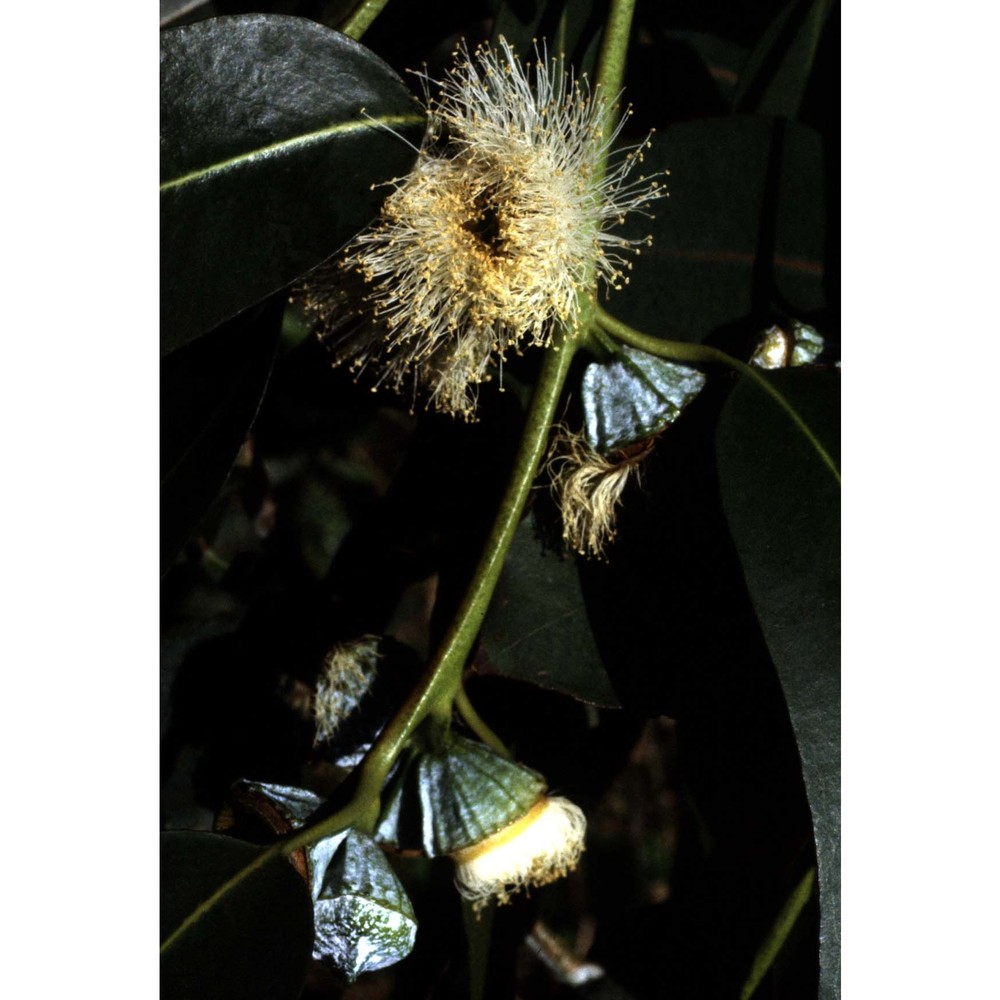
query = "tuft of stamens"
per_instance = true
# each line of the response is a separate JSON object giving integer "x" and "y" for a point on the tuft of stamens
{"x": 347, "y": 676}
{"x": 540, "y": 847}
{"x": 488, "y": 245}
{"x": 588, "y": 487}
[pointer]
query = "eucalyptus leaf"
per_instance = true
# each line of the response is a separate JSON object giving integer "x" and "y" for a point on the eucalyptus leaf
{"x": 567, "y": 28}
{"x": 536, "y": 628}
{"x": 275, "y": 134}
{"x": 210, "y": 392}
{"x": 743, "y": 230}
{"x": 632, "y": 396}
{"x": 783, "y": 508}
{"x": 254, "y": 944}
{"x": 722, "y": 59}
{"x": 478, "y": 926}
{"x": 774, "y": 79}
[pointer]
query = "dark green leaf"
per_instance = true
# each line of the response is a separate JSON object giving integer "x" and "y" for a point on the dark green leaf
{"x": 741, "y": 233}
{"x": 721, "y": 58}
{"x": 478, "y": 925}
{"x": 783, "y": 507}
{"x": 255, "y": 943}
{"x": 536, "y": 628}
{"x": 267, "y": 162}
{"x": 209, "y": 394}
{"x": 632, "y": 396}
{"x": 775, "y": 76}
{"x": 518, "y": 22}
{"x": 566, "y": 26}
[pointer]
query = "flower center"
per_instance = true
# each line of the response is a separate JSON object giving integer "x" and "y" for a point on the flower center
{"x": 484, "y": 223}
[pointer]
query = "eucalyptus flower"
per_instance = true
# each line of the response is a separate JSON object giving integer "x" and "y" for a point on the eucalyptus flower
{"x": 536, "y": 849}
{"x": 490, "y": 243}
{"x": 492, "y": 816}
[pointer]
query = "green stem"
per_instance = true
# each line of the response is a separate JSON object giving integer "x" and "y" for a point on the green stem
{"x": 699, "y": 354}
{"x": 354, "y": 810}
{"x": 778, "y": 934}
{"x": 441, "y": 687}
{"x": 360, "y": 19}
{"x": 475, "y": 722}
{"x": 614, "y": 48}
{"x": 442, "y": 681}
{"x": 446, "y": 672}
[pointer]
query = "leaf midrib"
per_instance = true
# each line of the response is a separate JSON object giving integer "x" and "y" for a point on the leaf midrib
{"x": 283, "y": 145}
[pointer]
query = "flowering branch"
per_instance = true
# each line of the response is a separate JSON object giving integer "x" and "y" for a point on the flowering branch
{"x": 440, "y": 690}
{"x": 674, "y": 350}
{"x": 442, "y": 681}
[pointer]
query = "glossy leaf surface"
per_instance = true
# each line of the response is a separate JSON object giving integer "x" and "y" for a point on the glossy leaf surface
{"x": 783, "y": 507}
{"x": 255, "y": 943}
{"x": 742, "y": 230}
{"x": 536, "y": 628}
{"x": 267, "y": 163}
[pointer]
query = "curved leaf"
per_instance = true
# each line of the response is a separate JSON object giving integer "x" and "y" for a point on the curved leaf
{"x": 783, "y": 509}
{"x": 267, "y": 162}
{"x": 742, "y": 230}
{"x": 721, "y": 58}
{"x": 255, "y": 943}
{"x": 777, "y": 71}
{"x": 209, "y": 395}
{"x": 568, "y": 28}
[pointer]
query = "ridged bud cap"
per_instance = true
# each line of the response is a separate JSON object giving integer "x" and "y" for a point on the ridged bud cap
{"x": 449, "y": 799}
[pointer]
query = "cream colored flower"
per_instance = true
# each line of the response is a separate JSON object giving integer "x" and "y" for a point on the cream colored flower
{"x": 540, "y": 847}
{"x": 489, "y": 243}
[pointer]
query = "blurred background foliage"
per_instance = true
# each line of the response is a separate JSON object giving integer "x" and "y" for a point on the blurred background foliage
{"x": 684, "y": 692}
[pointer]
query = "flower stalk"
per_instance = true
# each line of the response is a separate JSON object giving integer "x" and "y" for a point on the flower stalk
{"x": 700, "y": 354}
{"x": 614, "y": 47}
{"x": 360, "y": 19}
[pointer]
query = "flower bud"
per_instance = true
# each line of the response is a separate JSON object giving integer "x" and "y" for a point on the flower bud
{"x": 362, "y": 916}
{"x": 364, "y": 919}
